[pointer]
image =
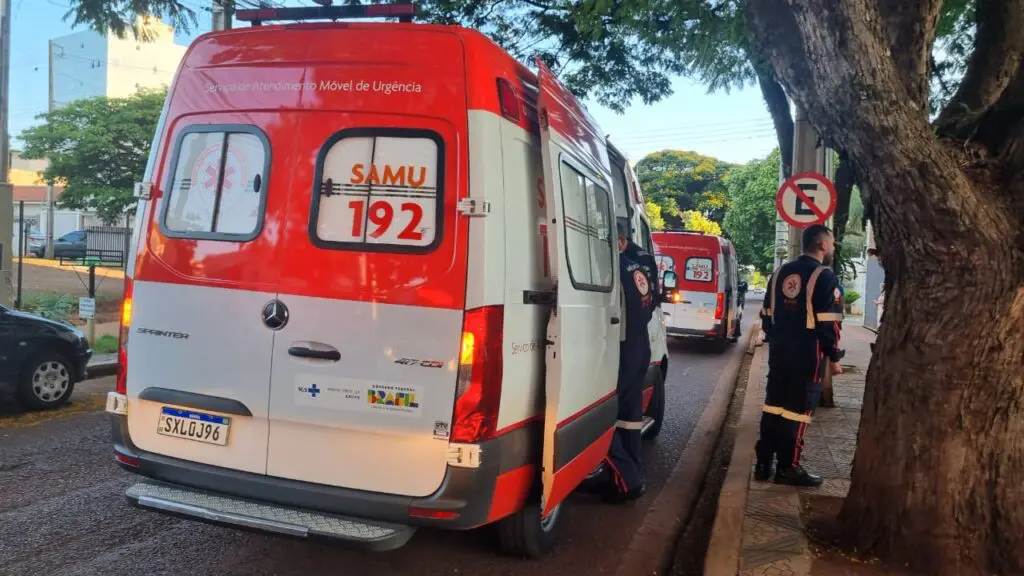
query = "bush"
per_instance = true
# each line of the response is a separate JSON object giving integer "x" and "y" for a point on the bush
{"x": 105, "y": 344}
{"x": 50, "y": 305}
{"x": 851, "y": 297}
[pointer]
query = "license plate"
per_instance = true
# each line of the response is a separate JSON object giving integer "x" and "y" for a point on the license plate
{"x": 191, "y": 425}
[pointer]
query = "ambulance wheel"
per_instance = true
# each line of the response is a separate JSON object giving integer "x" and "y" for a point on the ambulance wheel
{"x": 526, "y": 534}
{"x": 656, "y": 409}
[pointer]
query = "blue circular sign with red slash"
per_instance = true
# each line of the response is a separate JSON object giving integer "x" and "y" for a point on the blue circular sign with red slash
{"x": 806, "y": 199}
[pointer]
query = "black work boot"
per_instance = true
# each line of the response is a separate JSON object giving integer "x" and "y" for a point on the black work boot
{"x": 797, "y": 476}
{"x": 616, "y": 496}
{"x": 763, "y": 471}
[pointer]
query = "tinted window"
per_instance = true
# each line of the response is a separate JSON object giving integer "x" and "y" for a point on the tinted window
{"x": 218, "y": 188}
{"x": 379, "y": 190}
{"x": 588, "y": 222}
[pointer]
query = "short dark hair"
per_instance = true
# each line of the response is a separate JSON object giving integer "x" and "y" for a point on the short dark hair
{"x": 813, "y": 235}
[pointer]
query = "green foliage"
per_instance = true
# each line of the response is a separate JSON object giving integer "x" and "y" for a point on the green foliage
{"x": 953, "y": 46}
{"x": 49, "y": 305}
{"x": 105, "y": 344}
{"x": 682, "y": 181}
{"x": 758, "y": 280}
{"x": 851, "y": 296}
{"x": 119, "y": 16}
{"x": 99, "y": 147}
{"x": 750, "y": 222}
{"x": 654, "y": 216}
{"x": 698, "y": 222}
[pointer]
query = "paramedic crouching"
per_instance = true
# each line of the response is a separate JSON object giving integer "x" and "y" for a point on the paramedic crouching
{"x": 634, "y": 358}
{"x": 801, "y": 318}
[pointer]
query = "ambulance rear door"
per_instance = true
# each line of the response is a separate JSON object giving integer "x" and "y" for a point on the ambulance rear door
{"x": 582, "y": 355}
{"x": 373, "y": 276}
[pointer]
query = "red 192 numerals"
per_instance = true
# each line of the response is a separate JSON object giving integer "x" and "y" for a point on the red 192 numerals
{"x": 381, "y": 215}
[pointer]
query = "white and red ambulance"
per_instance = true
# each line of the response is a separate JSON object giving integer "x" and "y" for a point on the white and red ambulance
{"x": 374, "y": 287}
{"x": 705, "y": 302}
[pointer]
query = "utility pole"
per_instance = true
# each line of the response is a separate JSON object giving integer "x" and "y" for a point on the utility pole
{"x": 6, "y": 190}
{"x": 807, "y": 157}
{"x": 221, "y": 11}
{"x": 49, "y": 185}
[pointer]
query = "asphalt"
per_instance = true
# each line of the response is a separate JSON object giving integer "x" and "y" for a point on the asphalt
{"x": 63, "y": 511}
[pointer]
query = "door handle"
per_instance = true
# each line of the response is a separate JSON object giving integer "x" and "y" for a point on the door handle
{"x": 303, "y": 352}
{"x": 615, "y": 320}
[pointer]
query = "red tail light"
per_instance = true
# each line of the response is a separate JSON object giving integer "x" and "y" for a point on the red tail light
{"x": 122, "y": 341}
{"x": 478, "y": 391}
{"x": 432, "y": 514}
{"x": 720, "y": 306}
{"x": 126, "y": 460}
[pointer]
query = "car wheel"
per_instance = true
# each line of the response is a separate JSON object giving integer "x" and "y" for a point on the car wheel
{"x": 525, "y": 533}
{"x": 46, "y": 382}
{"x": 656, "y": 409}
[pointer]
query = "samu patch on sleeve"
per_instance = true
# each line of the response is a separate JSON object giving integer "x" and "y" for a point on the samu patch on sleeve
{"x": 640, "y": 279}
{"x": 838, "y": 295}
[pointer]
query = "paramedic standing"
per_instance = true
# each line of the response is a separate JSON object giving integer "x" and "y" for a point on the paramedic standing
{"x": 646, "y": 260}
{"x": 801, "y": 319}
{"x": 634, "y": 357}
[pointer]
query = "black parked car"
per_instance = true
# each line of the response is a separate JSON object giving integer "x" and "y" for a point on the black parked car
{"x": 40, "y": 359}
{"x": 70, "y": 245}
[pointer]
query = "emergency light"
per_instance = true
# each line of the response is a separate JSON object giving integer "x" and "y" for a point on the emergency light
{"x": 257, "y": 16}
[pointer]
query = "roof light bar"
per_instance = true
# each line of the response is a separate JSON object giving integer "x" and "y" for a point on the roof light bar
{"x": 404, "y": 13}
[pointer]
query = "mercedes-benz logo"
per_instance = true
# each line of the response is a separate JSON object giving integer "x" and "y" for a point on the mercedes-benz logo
{"x": 275, "y": 315}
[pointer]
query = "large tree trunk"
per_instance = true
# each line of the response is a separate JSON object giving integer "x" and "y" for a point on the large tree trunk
{"x": 938, "y": 479}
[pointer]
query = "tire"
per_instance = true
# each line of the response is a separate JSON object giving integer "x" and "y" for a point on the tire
{"x": 656, "y": 409}
{"x": 523, "y": 534}
{"x": 47, "y": 381}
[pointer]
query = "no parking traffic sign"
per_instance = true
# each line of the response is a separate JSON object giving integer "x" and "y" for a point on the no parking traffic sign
{"x": 806, "y": 199}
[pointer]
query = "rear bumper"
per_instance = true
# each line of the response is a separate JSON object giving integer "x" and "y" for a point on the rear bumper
{"x": 467, "y": 497}
{"x": 716, "y": 332}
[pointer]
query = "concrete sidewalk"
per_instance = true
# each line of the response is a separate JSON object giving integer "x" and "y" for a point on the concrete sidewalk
{"x": 758, "y": 528}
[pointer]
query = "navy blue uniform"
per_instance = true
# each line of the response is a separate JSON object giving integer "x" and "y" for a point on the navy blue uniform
{"x": 801, "y": 319}
{"x": 634, "y": 359}
{"x": 646, "y": 261}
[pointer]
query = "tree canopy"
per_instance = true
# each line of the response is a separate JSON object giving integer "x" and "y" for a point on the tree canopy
{"x": 750, "y": 222}
{"x": 678, "y": 181}
{"x": 98, "y": 147}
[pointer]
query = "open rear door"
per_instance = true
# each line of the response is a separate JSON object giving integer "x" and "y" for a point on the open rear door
{"x": 583, "y": 332}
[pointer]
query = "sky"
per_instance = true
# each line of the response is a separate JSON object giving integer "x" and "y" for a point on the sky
{"x": 734, "y": 127}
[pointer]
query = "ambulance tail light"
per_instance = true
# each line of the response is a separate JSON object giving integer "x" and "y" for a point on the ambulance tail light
{"x": 478, "y": 389}
{"x": 509, "y": 100}
{"x": 677, "y": 297}
{"x": 122, "y": 340}
{"x": 719, "y": 305}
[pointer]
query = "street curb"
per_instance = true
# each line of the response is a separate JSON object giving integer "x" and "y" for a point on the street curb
{"x": 652, "y": 548}
{"x": 100, "y": 369}
{"x": 723, "y": 555}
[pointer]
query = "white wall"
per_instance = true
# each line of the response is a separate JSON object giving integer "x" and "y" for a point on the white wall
{"x": 79, "y": 67}
{"x": 86, "y": 64}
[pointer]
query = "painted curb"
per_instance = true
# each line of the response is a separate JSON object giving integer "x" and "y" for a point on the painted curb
{"x": 652, "y": 548}
{"x": 723, "y": 555}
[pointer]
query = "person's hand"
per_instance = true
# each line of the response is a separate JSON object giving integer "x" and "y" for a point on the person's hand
{"x": 837, "y": 368}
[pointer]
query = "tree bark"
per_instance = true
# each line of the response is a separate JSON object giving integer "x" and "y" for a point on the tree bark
{"x": 938, "y": 479}
{"x": 778, "y": 106}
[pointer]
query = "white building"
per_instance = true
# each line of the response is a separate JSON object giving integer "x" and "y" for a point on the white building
{"x": 86, "y": 64}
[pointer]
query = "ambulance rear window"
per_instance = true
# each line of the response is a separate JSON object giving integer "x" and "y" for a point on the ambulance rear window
{"x": 218, "y": 185}
{"x": 588, "y": 221}
{"x": 698, "y": 269}
{"x": 379, "y": 189}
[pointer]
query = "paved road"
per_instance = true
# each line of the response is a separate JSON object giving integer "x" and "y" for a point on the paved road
{"x": 62, "y": 510}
